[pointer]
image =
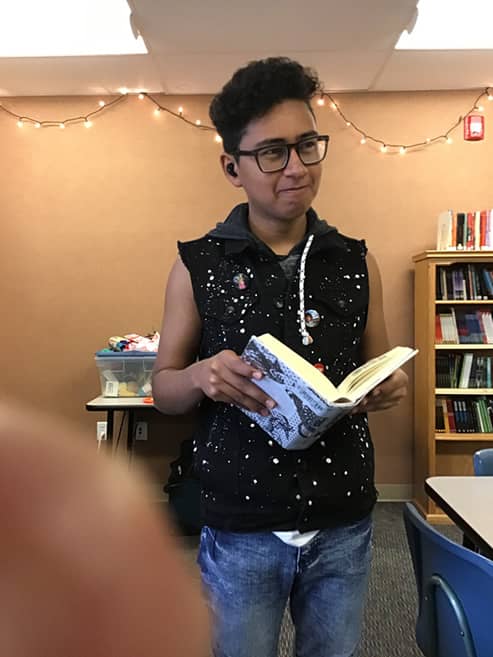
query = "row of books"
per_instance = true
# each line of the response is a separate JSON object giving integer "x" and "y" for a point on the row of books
{"x": 464, "y": 370}
{"x": 464, "y": 415}
{"x": 464, "y": 282}
{"x": 462, "y": 326}
{"x": 465, "y": 230}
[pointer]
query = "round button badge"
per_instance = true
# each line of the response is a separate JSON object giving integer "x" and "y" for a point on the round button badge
{"x": 241, "y": 281}
{"x": 312, "y": 318}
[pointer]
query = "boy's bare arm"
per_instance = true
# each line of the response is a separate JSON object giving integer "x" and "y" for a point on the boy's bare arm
{"x": 173, "y": 386}
{"x": 375, "y": 342}
{"x": 180, "y": 382}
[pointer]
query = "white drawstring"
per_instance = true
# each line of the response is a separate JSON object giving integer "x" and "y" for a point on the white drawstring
{"x": 306, "y": 338}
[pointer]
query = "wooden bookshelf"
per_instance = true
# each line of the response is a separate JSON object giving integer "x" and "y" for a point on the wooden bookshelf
{"x": 458, "y": 302}
{"x": 464, "y": 347}
{"x": 465, "y": 437}
{"x": 441, "y": 453}
{"x": 464, "y": 391}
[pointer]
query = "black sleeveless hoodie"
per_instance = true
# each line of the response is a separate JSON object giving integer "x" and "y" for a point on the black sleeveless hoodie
{"x": 249, "y": 482}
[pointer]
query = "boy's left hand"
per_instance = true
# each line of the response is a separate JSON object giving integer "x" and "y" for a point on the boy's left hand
{"x": 387, "y": 394}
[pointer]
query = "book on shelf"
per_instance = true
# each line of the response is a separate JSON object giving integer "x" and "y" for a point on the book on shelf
{"x": 445, "y": 415}
{"x": 439, "y": 417}
{"x": 469, "y": 282}
{"x": 465, "y": 231}
{"x": 451, "y": 416}
{"x": 448, "y": 333}
{"x": 307, "y": 402}
{"x": 457, "y": 326}
{"x": 463, "y": 370}
{"x": 444, "y": 230}
{"x": 459, "y": 415}
{"x": 466, "y": 370}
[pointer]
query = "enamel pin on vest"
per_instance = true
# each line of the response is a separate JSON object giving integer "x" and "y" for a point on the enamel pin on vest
{"x": 241, "y": 281}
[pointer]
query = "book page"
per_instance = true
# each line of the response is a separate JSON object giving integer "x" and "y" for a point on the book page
{"x": 363, "y": 379}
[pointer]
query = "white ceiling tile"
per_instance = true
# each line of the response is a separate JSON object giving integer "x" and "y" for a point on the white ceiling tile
{"x": 436, "y": 69}
{"x": 48, "y": 76}
{"x": 195, "y": 46}
{"x": 224, "y": 26}
{"x": 206, "y": 73}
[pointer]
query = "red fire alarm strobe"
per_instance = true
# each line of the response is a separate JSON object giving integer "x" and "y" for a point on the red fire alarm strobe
{"x": 474, "y": 127}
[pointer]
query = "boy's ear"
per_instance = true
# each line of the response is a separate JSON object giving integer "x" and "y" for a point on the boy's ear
{"x": 230, "y": 169}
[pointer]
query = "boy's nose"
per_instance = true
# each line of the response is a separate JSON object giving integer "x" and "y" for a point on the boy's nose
{"x": 295, "y": 163}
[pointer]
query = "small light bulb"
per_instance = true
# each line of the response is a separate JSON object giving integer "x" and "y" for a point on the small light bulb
{"x": 198, "y": 122}
{"x": 37, "y": 124}
{"x": 490, "y": 96}
{"x": 449, "y": 140}
{"x": 20, "y": 123}
{"x": 180, "y": 110}
{"x": 141, "y": 96}
{"x": 102, "y": 103}
{"x": 348, "y": 123}
{"x": 218, "y": 139}
{"x": 362, "y": 140}
{"x": 333, "y": 105}
{"x": 157, "y": 111}
{"x": 428, "y": 140}
{"x": 321, "y": 102}
{"x": 87, "y": 123}
{"x": 62, "y": 126}
{"x": 402, "y": 150}
{"x": 480, "y": 108}
{"x": 383, "y": 148}
{"x": 123, "y": 91}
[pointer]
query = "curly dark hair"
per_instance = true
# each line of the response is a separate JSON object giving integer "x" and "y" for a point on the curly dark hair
{"x": 254, "y": 90}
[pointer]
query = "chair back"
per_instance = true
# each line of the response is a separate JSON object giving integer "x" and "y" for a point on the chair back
{"x": 455, "y": 593}
{"x": 483, "y": 462}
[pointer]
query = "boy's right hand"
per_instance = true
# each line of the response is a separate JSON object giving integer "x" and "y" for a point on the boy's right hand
{"x": 226, "y": 378}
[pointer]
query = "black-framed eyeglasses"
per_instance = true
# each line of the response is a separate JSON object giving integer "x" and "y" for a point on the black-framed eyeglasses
{"x": 310, "y": 150}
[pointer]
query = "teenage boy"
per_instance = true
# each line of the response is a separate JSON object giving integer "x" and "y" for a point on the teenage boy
{"x": 280, "y": 527}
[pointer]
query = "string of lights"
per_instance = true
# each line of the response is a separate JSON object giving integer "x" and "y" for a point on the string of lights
{"x": 179, "y": 113}
{"x": 387, "y": 147}
{"x": 51, "y": 123}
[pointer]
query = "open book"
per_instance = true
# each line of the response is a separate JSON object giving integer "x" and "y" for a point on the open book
{"x": 307, "y": 402}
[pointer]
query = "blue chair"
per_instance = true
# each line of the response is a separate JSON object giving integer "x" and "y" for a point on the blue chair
{"x": 455, "y": 593}
{"x": 483, "y": 462}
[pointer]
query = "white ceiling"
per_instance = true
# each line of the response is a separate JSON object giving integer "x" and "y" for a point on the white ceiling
{"x": 195, "y": 45}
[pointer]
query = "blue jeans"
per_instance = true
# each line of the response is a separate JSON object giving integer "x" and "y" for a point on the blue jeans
{"x": 249, "y": 579}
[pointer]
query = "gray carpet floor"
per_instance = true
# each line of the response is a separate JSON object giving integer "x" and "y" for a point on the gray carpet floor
{"x": 391, "y": 607}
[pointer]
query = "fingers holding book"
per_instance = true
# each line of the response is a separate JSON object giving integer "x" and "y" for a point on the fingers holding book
{"x": 227, "y": 378}
{"x": 386, "y": 395}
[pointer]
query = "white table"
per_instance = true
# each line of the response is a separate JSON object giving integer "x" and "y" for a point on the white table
{"x": 468, "y": 501}
{"x": 126, "y": 404}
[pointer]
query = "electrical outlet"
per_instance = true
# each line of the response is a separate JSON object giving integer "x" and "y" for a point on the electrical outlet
{"x": 141, "y": 431}
{"x": 101, "y": 431}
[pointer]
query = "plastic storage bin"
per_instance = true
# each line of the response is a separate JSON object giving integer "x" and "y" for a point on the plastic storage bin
{"x": 125, "y": 374}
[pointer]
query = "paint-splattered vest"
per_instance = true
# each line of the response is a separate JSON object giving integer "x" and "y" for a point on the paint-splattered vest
{"x": 249, "y": 482}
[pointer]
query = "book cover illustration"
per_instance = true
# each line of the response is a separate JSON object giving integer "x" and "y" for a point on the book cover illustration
{"x": 301, "y": 415}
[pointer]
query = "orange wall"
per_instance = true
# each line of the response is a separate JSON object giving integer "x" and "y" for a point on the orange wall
{"x": 90, "y": 220}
